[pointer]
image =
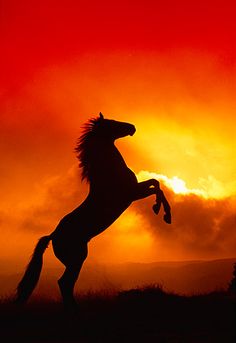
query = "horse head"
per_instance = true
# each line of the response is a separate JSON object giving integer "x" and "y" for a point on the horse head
{"x": 99, "y": 132}
{"x": 112, "y": 129}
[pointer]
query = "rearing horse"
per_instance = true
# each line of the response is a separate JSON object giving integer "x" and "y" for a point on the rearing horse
{"x": 113, "y": 187}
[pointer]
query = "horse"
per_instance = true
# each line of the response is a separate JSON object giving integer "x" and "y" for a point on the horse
{"x": 112, "y": 189}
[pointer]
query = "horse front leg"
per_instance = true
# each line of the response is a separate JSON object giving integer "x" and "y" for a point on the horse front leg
{"x": 161, "y": 199}
{"x": 152, "y": 186}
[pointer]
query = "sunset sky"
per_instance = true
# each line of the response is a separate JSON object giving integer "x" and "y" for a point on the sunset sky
{"x": 168, "y": 67}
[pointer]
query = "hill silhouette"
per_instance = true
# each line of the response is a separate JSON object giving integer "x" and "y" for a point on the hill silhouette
{"x": 182, "y": 277}
{"x": 146, "y": 314}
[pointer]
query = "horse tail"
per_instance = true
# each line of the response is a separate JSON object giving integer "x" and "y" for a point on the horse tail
{"x": 32, "y": 272}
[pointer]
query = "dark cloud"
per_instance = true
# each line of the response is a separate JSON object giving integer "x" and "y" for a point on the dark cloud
{"x": 204, "y": 228}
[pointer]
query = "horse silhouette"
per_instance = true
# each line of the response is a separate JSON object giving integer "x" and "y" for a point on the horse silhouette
{"x": 113, "y": 187}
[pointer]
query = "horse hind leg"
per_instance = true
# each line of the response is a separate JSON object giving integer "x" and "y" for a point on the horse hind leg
{"x": 66, "y": 284}
{"x": 68, "y": 279}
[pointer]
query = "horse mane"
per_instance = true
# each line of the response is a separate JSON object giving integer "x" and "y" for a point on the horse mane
{"x": 84, "y": 145}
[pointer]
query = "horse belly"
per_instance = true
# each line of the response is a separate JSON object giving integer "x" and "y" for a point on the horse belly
{"x": 105, "y": 217}
{"x": 88, "y": 220}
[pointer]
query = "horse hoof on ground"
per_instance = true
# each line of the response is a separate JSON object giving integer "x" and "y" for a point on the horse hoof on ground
{"x": 167, "y": 218}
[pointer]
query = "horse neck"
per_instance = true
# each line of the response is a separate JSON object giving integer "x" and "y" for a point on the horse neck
{"x": 115, "y": 156}
{"x": 108, "y": 163}
{"x": 109, "y": 156}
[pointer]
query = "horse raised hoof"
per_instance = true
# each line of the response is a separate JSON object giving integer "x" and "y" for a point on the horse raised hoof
{"x": 167, "y": 218}
{"x": 156, "y": 208}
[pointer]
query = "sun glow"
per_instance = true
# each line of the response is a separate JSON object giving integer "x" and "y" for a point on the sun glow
{"x": 177, "y": 185}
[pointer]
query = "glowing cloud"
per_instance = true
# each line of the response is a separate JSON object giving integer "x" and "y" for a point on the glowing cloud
{"x": 174, "y": 183}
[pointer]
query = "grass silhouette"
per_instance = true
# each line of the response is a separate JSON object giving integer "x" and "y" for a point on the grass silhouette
{"x": 147, "y": 314}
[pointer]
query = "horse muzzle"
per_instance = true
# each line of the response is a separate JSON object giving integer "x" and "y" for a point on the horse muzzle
{"x": 132, "y": 130}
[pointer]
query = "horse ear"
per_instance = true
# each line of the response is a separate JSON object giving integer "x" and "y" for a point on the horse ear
{"x": 101, "y": 115}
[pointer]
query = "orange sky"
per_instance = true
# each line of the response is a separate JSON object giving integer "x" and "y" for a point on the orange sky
{"x": 169, "y": 68}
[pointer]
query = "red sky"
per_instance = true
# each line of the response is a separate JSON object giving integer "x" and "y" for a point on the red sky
{"x": 166, "y": 66}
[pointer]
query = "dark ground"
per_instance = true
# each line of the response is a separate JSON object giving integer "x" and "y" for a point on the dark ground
{"x": 140, "y": 315}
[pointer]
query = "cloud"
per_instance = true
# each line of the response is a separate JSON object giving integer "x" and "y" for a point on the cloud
{"x": 175, "y": 183}
{"x": 201, "y": 227}
{"x": 56, "y": 197}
